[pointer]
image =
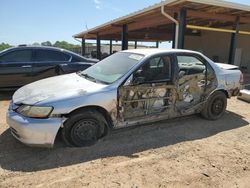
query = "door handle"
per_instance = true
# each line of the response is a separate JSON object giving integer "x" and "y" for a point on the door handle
{"x": 26, "y": 66}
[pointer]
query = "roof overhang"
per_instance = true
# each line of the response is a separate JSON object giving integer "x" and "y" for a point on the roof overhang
{"x": 150, "y": 25}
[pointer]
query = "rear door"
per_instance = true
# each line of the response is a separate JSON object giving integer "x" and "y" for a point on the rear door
{"x": 150, "y": 93}
{"x": 48, "y": 63}
{"x": 15, "y": 68}
{"x": 196, "y": 81}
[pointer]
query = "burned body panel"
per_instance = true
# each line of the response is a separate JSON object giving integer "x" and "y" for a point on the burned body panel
{"x": 141, "y": 101}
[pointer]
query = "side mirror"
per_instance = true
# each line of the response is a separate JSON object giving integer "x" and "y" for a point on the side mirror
{"x": 139, "y": 78}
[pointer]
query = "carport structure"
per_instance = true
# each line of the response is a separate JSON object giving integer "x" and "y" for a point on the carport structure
{"x": 185, "y": 22}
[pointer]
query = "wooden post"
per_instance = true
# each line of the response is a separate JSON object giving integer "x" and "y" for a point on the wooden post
{"x": 110, "y": 47}
{"x": 98, "y": 47}
{"x": 182, "y": 29}
{"x": 83, "y": 47}
{"x": 157, "y": 44}
{"x": 125, "y": 37}
{"x": 234, "y": 41}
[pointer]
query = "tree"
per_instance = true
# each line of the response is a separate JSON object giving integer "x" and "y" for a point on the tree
{"x": 4, "y": 46}
{"x": 65, "y": 45}
{"x": 47, "y": 43}
{"x": 36, "y": 44}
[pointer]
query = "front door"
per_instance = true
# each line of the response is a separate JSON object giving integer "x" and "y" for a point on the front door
{"x": 48, "y": 63}
{"x": 149, "y": 93}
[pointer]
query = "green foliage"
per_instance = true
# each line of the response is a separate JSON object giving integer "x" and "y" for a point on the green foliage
{"x": 59, "y": 44}
{"x": 36, "y": 44}
{"x": 4, "y": 46}
{"x": 47, "y": 43}
{"x": 65, "y": 45}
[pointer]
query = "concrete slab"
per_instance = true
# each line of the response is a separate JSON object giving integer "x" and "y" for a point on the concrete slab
{"x": 245, "y": 94}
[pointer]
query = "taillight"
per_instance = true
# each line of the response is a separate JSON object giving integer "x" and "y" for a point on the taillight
{"x": 241, "y": 78}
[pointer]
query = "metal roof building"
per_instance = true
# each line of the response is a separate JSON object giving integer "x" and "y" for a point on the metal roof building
{"x": 203, "y": 25}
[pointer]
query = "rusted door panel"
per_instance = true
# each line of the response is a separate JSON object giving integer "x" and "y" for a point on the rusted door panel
{"x": 145, "y": 100}
{"x": 192, "y": 92}
{"x": 191, "y": 89}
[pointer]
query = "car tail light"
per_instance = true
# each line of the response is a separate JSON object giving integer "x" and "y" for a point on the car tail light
{"x": 241, "y": 78}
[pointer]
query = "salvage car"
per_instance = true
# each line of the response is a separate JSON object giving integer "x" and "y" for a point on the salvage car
{"x": 127, "y": 88}
{"x": 25, "y": 64}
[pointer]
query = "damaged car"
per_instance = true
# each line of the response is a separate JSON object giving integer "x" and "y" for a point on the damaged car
{"x": 127, "y": 88}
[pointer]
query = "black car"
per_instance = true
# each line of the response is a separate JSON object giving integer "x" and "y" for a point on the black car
{"x": 25, "y": 64}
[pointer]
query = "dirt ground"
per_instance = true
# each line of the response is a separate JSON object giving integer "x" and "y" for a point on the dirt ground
{"x": 188, "y": 152}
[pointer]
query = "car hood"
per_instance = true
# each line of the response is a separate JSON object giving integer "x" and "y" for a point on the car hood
{"x": 64, "y": 86}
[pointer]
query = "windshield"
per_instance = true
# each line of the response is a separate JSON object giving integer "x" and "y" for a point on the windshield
{"x": 113, "y": 67}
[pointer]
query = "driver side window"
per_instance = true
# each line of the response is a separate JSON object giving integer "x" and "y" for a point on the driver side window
{"x": 157, "y": 69}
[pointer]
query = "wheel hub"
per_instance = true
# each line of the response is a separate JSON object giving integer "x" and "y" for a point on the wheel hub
{"x": 85, "y": 131}
{"x": 218, "y": 106}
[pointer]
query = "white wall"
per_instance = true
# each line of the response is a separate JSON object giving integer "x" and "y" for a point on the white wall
{"x": 244, "y": 44}
{"x": 211, "y": 44}
{"x": 217, "y": 44}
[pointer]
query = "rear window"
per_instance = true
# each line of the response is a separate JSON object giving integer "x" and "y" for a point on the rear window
{"x": 50, "y": 55}
{"x": 77, "y": 59}
{"x": 190, "y": 65}
{"x": 17, "y": 56}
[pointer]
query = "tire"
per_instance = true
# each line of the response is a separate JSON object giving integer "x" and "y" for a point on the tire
{"x": 84, "y": 128}
{"x": 215, "y": 107}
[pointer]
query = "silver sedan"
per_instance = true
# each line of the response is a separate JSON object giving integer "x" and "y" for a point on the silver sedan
{"x": 128, "y": 88}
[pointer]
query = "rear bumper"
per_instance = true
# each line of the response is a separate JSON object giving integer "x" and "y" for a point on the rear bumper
{"x": 34, "y": 132}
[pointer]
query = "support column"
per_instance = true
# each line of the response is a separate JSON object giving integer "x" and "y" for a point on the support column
{"x": 98, "y": 47}
{"x": 136, "y": 44}
{"x": 110, "y": 47}
{"x": 83, "y": 51}
{"x": 234, "y": 41}
{"x": 157, "y": 44}
{"x": 182, "y": 21}
{"x": 125, "y": 37}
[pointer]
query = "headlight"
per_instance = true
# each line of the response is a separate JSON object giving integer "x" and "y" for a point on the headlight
{"x": 34, "y": 111}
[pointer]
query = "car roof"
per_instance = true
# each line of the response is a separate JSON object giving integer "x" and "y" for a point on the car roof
{"x": 155, "y": 51}
{"x": 42, "y": 47}
{"x": 38, "y": 47}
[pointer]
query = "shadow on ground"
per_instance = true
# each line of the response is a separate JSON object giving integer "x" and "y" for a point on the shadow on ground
{"x": 17, "y": 157}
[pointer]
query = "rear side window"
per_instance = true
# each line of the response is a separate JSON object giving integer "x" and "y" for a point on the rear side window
{"x": 17, "y": 56}
{"x": 77, "y": 59}
{"x": 190, "y": 65}
{"x": 50, "y": 55}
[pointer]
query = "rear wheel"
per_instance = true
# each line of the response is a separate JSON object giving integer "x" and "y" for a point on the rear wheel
{"x": 84, "y": 128}
{"x": 215, "y": 106}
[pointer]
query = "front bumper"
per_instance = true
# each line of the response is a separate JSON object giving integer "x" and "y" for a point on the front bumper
{"x": 33, "y": 132}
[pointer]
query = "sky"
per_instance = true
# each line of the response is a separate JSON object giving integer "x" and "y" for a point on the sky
{"x": 29, "y": 21}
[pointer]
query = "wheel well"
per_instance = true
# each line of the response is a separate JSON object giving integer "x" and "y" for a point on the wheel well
{"x": 101, "y": 110}
{"x": 225, "y": 92}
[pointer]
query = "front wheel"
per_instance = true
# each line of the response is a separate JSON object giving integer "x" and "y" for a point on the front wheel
{"x": 215, "y": 106}
{"x": 84, "y": 128}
